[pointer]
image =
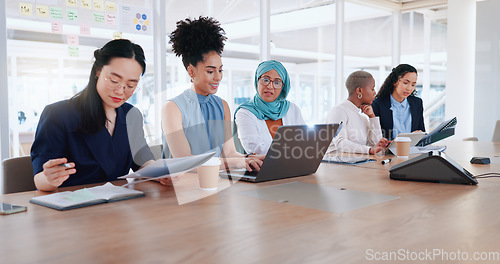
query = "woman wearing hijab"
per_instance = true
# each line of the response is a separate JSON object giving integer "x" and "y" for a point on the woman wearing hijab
{"x": 258, "y": 119}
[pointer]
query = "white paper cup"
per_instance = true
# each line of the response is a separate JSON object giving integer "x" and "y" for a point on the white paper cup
{"x": 402, "y": 146}
{"x": 208, "y": 174}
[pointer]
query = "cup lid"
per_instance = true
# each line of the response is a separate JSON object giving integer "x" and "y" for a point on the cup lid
{"x": 402, "y": 139}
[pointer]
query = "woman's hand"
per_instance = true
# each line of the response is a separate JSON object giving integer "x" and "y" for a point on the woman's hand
{"x": 55, "y": 173}
{"x": 368, "y": 110}
{"x": 170, "y": 181}
{"x": 250, "y": 163}
{"x": 381, "y": 145}
{"x": 254, "y": 162}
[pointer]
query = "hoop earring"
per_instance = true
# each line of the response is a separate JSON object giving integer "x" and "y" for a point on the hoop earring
{"x": 360, "y": 96}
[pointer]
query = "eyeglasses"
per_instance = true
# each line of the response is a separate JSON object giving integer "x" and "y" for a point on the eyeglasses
{"x": 114, "y": 84}
{"x": 277, "y": 84}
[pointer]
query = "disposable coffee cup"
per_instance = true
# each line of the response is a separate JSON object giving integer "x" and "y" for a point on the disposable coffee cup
{"x": 403, "y": 147}
{"x": 208, "y": 174}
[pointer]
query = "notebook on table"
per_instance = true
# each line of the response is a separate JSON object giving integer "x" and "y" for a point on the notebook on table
{"x": 295, "y": 151}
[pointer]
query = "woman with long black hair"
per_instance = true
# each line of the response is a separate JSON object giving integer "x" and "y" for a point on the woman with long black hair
{"x": 95, "y": 136}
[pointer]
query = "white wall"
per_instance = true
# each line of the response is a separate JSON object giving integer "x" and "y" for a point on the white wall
{"x": 460, "y": 71}
{"x": 487, "y": 83}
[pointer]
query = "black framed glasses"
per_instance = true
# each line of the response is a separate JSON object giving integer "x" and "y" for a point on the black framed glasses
{"x": 277, "y": 84}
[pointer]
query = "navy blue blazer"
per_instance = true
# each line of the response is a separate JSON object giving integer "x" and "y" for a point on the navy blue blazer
{"x": 99, "y": 157}
{"x": 382, "y": 109}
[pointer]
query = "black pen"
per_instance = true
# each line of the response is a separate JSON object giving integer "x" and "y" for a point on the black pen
{"x": 386, "y": 161}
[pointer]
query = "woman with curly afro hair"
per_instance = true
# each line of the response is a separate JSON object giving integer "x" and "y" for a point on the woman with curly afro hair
{"x": 198, "y": 121}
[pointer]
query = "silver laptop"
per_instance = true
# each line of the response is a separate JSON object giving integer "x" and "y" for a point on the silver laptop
{"x": 295, "y": 151}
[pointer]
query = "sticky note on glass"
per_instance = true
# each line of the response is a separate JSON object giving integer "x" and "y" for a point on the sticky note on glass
{"x": 87, "y": 4}
{"x": 73, "y": 40}
{"x": 25, "y": 9}
{"x": 56, "y": 13}
{"x": 98, "y": 18}
{"x": 57, "y": 27}
{"x": 111, "y": 6}
{"x": 72, "y": 14}
{"x": 73, "y": 3}
{"x": 42, "y": 11}
{"x": 84, "y": 29}
{"x": 99, "y": 5}
{"x": 111, "y": 19}
{"x": 73, "y": 51}
{"x": 117, "y": 35}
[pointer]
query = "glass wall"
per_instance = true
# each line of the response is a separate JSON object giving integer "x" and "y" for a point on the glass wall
{"x": 51, "y": 45}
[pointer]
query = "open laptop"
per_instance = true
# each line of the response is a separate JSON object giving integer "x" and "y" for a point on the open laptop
{"x": 295, "y": 151}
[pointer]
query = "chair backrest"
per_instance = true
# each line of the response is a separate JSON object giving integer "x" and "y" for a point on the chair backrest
{"x": 18, "y": 175}
{"x": 157, "y": 149}
{"x": 496, "y": 132}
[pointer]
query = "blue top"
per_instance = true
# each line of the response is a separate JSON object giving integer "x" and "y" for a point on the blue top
{"x": 202, "y": 122}
{"x": 99, "y": 157}
{"x": 382, "y": 108}
{"x": 401, "y": 117}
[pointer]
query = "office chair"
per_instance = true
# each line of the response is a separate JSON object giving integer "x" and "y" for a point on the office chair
{"x": 157, "y": 149}
{"x": 18, "y": 175}
{"x": 496, "y": 132}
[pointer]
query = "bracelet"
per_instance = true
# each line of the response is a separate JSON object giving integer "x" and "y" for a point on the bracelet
{"x": 249, "y": 154}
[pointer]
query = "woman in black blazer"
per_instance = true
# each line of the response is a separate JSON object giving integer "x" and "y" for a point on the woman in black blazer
{"x": 96, "y": 131}
{"x": 396, "y": 104}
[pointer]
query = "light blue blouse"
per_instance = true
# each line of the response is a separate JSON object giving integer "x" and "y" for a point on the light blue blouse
{"x": 401, "y": 116}
{"x": 202, "y": 122}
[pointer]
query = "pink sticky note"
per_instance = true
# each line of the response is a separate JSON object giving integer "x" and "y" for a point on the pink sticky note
{"x": 73, "y": 40}
{"x": 57, "y": 27}
{"x": 84, "y": 29}
{"x": 111, "y": 19}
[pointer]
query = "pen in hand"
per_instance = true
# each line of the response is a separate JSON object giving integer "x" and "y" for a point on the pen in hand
{"x": 386, "y": 161}
{"x": 67, "y": 165}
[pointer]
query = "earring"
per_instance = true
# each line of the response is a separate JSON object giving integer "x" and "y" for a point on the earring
{"x": 360, "y": 96}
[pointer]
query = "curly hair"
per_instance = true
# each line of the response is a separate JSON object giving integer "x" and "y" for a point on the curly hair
{"x": 387, "y": 87}
{"x": 194, "y": 38}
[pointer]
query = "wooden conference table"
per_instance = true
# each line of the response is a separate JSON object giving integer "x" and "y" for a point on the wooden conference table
{"x": 172, "y": 225}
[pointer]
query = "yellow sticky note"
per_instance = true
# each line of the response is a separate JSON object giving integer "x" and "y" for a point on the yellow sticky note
{"x": 87, "y": 4}
{"x": 73, "y": 3}
{"x": 117, "y": 35}
{"x": 42, "y": 10}
{"x": 111, "y": 6}
{"x": 99, "y": 5}
{"x": 25, "y": 9}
